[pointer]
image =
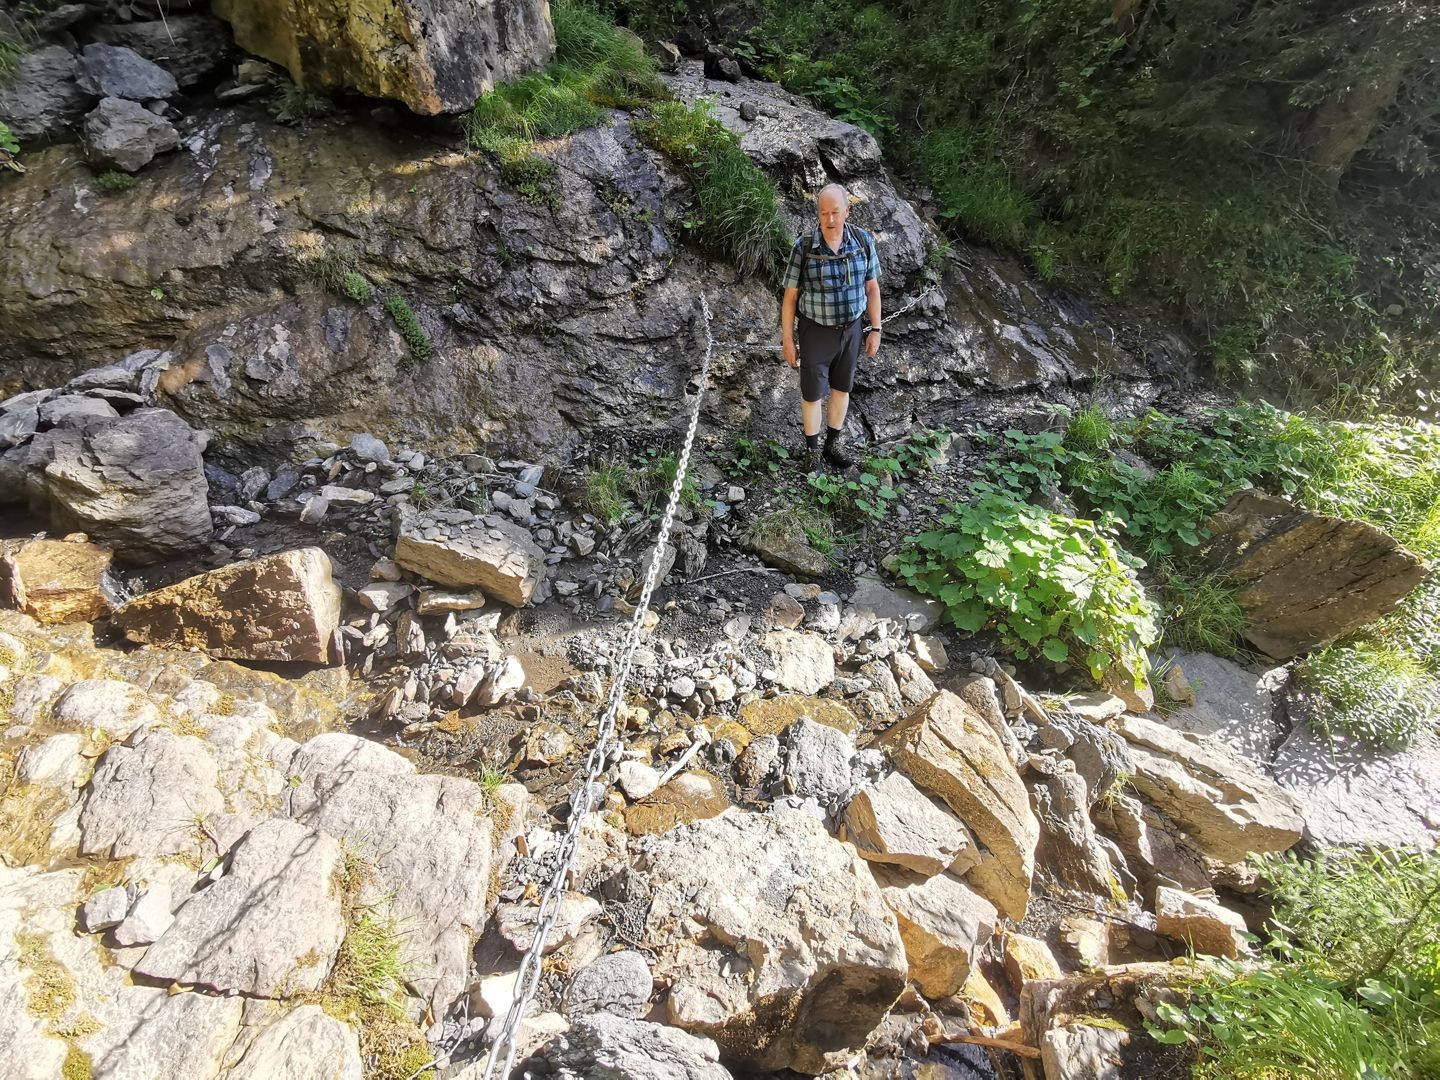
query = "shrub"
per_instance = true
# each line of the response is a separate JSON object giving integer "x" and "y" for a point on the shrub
{"x": 1366, "y": 692}
{"x": 1050, "y": 585}
{"x": 112, "y": 180}
{"x": 1202, "y": 615}
{"x": 409, "y": 326}
{"x": 736, "y": 214}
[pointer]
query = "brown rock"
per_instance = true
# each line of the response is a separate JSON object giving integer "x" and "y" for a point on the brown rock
{"x": 943, "y": 924}
{"x": 1306, "y": 579}
{"x": 894, "y": 822}
{"x": 947, "y": 747}
{"x": 1028, "y": 959}
{"x": 283, "y": 607}
{"x": 500, "y": 558}
{"x": 1205, "y": 925}
{"x": 789, "y": 551}
{"x": 54, "y": 581}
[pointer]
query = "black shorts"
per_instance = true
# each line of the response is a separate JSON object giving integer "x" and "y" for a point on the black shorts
{"x": 828, "y": 355}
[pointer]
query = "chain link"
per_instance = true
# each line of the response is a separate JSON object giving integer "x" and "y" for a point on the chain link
{"x": 591, "y": 791}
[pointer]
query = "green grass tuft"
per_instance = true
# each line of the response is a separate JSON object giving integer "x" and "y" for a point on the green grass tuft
{"x": 1368, "y": 693}
{"x": 1203, "y": 615}
{"x": 421, "y": 347}
{"x": 1089, "y": 431}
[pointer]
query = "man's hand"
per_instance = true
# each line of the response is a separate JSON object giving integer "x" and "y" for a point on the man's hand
{"x": 872, "y": 344}
{"x": 792, "y": 355}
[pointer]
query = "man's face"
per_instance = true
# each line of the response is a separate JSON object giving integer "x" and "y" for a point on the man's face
{"x": 832, "y": 211}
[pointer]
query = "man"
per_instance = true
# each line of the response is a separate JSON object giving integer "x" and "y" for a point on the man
{"x": 833, "y": 276}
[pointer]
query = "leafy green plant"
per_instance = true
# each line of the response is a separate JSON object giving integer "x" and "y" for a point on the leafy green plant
{"x": 112, "y": 180}
{"x": 761, "y": 458}
{"x": 918, "y": 451}
{"x": 1050, "y": 586}
{"x": 354, "y": 286}
{"x": 11, "y": 146}
{"x": 295, "y": 103}
{"x": 737, "y": 212}
{"x": 867, "y": 497}
{"x": 421, "y": 347}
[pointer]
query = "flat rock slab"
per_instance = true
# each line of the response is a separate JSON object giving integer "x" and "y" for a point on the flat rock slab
{"x": 428, "y": 838}
{"x": 1357, "y": 797}
{"x": 1230, "y": 704}
{"x": 875, "y": 600}
{"x": 272, "y": 926}
{"x": 804, "y": 662}
{"x": 151, "y": 796}
{"x": 950, "y": 749}
{"x": 606, "y": 1047}
{"x": 1305, "y": 579}
{"x": 53, "y": 581}
{"x": 304, "y": 1044}
{"x": 283, "y": 607}
{"x": 491, "y": 553}
{"x": 895, "y": 822}
{"x": 1229, "y": 808}
{"x": 820, "y": 956}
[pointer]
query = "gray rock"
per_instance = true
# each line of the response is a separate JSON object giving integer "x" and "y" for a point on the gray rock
{"x": 619, "y": 983}
{"x": 253, "y": 482}
{"x": 189, "y": 46}
{"x": 151, "y": 797}
{"x": 433, "y": 867}
{"x": 114, "y": 71}
{"x": 136, "y": 483}
{"x": 1068, "y": 850}
{"x": 874, "y": 600}
{"x": 369, "y": 448}
{"x": 126, "y": 135}
{"x": 1230, "y": 704}
{"x": 43, "y": 94}
{"x": 148, "y": 919}
{"x": 271, "y": 926}
{"x": 606, "y": 1047}
{"x": 804, "y": 662}
{"x": 106, "y": 377}
{"x": 176, "y": 1035}
{"x": 105, "y": 909}
{"x": 894, "y": 822}
{"x": 500, "y": 558}
{"x": 817, "y": 763}
{"x": 304, "y": 1044}
{"x": 18, "y": 424}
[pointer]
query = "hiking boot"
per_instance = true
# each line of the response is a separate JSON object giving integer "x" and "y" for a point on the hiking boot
{"x": 835, "y": 453}
{"x": 809, "y": 459}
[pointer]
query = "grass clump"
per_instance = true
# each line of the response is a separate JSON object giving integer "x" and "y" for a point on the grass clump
{"x": 736, "y": 213}
{"x": 1051, "y": 586}
{"x": 295, "y": 103}
{"x": 421, "y": 347}
{"x": 605, "y": 492}
{"x": 1349, "y": 984}
{"x": 1202, "y": 615}
{"x": 1368, "y": 693}
{"x": 1089, "y": 431}
{"x": 10, "y": 53}
{"x": 354, "y": 286}
{"x": 113, "y": 180}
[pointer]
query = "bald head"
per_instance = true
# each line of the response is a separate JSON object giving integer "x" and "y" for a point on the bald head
{"x": 832, "y": 207}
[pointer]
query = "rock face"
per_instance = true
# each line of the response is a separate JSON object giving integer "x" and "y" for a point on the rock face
{"x": 271, "y": 926}
{"x": 281, "y": 608}
{"x": 946, "y": 747}
{"x": 435, "y": 56}
{"x": 136, "y": 483}
{"x": 801, "y": 916}
{"x": 43, "y": 93}
{"x": 189, "y": 46}
{"x": 56, "y": 582}
{"x": 1223, "y": 801}
{"x": 491, "y": 553}
{"x": 1228, "y": 702}
{"x": 1305, "y": 578}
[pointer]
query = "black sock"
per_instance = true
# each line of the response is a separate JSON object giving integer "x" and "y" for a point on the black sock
{"x": 831, "y": 434}
{"x": 813, "y": 441}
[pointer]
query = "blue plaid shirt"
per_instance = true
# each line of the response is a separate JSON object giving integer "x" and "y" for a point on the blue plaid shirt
{"x": 832, "y": 284}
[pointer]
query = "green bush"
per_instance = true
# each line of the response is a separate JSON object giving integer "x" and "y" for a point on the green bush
{"x": 112, "y": 180}
{"x": 736, "y": 213}
{"x": 1049, "y": 585}
{"x": 1349, "y": 985}
{"x": 421, "y": 347}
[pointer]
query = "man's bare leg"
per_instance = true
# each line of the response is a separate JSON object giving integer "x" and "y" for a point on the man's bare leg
{"x": 810, "y": 415}
{"x": 835, "y": 411}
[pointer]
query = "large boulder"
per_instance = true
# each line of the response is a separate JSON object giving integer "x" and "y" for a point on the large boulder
{"x": 773, "y": 938}
{"x": 895, "y": 822}
{"x": 436, "y": 56}
{"x": 136, "y": 483}
{"x": 114, "y": 71}
{"x": 428, "y": 843}
{"x": 283, "y": 607}
{"x": 1305, "y": 578}
{"x": 189, "y": 46}
{"x": 947, "y": 747}
{"x": 43, "y": 94}
{"x": 491, "y": 553}
{"x": 944, "y": 925}
{"x": 1229, "y": 808}
{"x": 606, "y": 1047}
{"x": 271, "y": 927}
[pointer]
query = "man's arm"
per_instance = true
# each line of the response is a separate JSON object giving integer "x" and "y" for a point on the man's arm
{"x": 872, "y": 308}
{"x": 787, "y": 326}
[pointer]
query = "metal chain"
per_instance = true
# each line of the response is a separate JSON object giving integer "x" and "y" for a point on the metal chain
{"x": 584, "y": 798}
{"x": 888, "y": 318}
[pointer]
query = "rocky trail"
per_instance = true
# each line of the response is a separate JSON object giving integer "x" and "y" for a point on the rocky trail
{"x": 307, "y": 636}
